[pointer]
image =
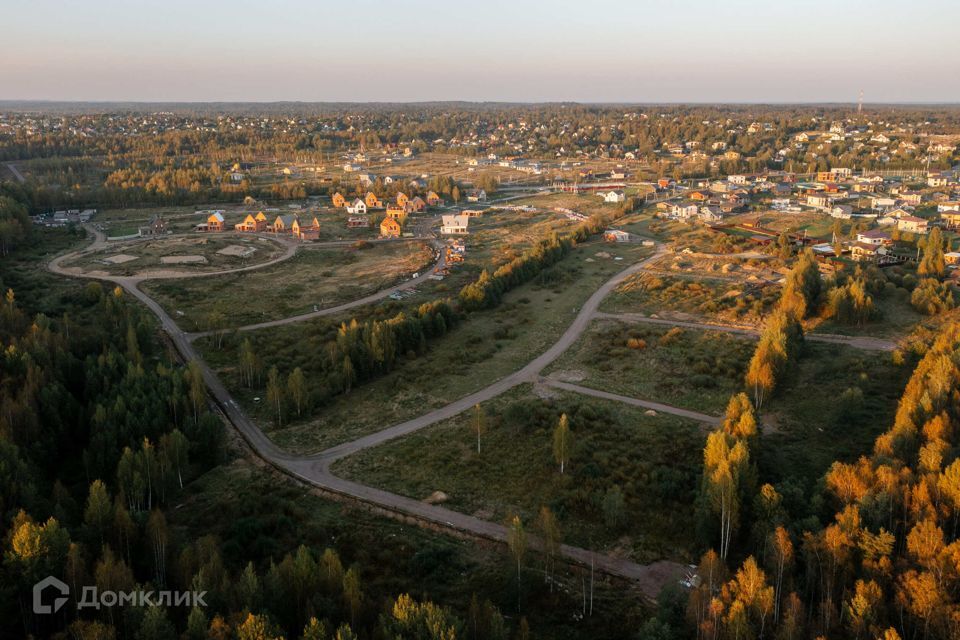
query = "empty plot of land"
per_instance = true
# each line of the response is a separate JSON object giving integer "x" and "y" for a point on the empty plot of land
{"x": 237, "y": 251}
{"x": 311, "y": 280}
{"x": 183, "y": 259}
{"x": 121, "y": 258}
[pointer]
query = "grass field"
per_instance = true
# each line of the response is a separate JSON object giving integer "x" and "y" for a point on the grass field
{"x": 831, "y": 406}
{"x": 320, "y": 277}
{"x": 687, "y": 368}
{"x": 722, "y": 297}
{"x": 655, "y": 462}
{"x": 483, "y": 348}
{"x": 260, "y": 516}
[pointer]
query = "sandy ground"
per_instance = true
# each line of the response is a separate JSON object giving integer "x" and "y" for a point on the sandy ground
{"x": 237, "y": 251}
{"x": 121, "y": 258}
{"x": 183, "y": 260}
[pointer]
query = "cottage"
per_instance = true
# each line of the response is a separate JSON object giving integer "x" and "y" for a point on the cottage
{"x": 454, "y": 225}
{"x": 157, "y": 227}
{"x": 416, "y": 204}
{"x": 283, "y": 223}
{"x": 252, "y": 223}
{"x": 214, "y": 222}
{"x": 433, "y": 199}
{"x": 357, "y": 222}
{"x": 616, "y": 235}
{"x": 397, "y": 212}
{"x": 912, "y": 224}
{"x": 875, "y": 237}
{"x": 952, "y": 258}
{"x": 305, "y": 232}
{"x": 373, "y": 202}
{"x": 866, "y": 252}
{"x": 819, "y": 200}
{"x": 358, "y": 207}
{"x": 951, "y": 219}
{"x": 339, "y": 200}
{"x": 476, "y": 195}
{"x": 390, "y": 228}
{"x": 402, "y": 199}
{"x": 613, "y": 197}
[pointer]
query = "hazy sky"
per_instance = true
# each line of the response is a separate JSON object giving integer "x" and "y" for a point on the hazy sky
{"x": 516, "y": 50}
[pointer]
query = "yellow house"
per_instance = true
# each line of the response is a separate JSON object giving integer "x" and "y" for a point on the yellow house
{"x": 339, "y": 200}
{"x": 373, "y": 202}
{"x": 402, "y": 199}
{"x": 215, "y": 221}
{"x": 252, "y": 223}
{"x": 282, "y": 223}
{"x": 398, "y": 213}
{"x": 390, "y": 228}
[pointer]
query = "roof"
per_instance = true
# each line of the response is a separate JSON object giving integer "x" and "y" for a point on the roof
{"x": 874, "y": 233}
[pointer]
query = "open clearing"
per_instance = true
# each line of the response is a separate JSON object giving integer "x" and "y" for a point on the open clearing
{"x": 653, "y": 460}
{"x": 484, "y": 347}
{"x": 315, "y": 276}
{"x": 193, "y": 253}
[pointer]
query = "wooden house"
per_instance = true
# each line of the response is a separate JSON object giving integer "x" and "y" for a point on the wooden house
{"x": 215, "y": 222}
{"x": 252, "y": 223}
{"x": 339, "y": 200}
{"x": 416, "y": 204}
{"x": 433, "y": 199}
{"x": 373, "y": 202}
{"x": 358, "y": 207}
{"x": 397, "y": 212}
{"x": 305, "y": 232}
{"x": 390, "y": 228}
{"x": 283, "y": 223}
{"x": 402, "y": 199}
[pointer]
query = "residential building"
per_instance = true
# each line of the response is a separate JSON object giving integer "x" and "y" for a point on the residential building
{"x": 454, "y": 225}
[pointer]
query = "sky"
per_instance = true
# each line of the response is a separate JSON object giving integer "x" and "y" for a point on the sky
{"x": 483, "y": 50}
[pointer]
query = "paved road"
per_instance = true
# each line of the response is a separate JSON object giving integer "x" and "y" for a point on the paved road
{"x": 16, "y": 173}
{"x": 867, "y": 343}
{"x": 315, "y": 470}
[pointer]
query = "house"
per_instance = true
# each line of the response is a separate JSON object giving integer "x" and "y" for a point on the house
{"x": 476, "y": 195}
{"x": 819, "y": 200}
{"x": 711, "y": 213}
{"x": 738, "y": 179}
{"x": 952, "y": 257}
{"x": 357, "y": 222}
{"x": 866, "y": 252}
{"x": 874, "y": 237}
{"x": 699, "y": 196}
{"x": 841, "y": 211}
{"x": 157, "y": 227}
{"x": 912, "y": 224}
{"x": 397, "y": 212}
{"x": 305, "y": 232}
{"x": 214, "y": 222}
{"x": 433, "y": 199}
{"x": 252, "y": 223}
{"x": 937, "y": 180}
{"x": 358, "y": 206}
{"x": 472, "y": 213}
{"x": 339, "y": 200}
{"x": 454, "y": 225}
{"x": 373, "y": 202}
{"x": 683, "y": 210}
{"x": 283, "y": 223}
{"x": 616, "y": 235}
{"x": 614, "y": 197}
{"x": 402, "y": 199}
{"x": 951, "y": 219}
{"x": 416, "y": 204}
{"x": 390, "y": 228}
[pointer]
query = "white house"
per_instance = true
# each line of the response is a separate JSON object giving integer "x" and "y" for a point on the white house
{"x": 614, "y": 196}
{"x": 454, "y": 225}
{"x": 358, "y": 207}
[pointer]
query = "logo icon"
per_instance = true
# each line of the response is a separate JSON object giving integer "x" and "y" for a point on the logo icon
{"x": 49, "y": 582}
